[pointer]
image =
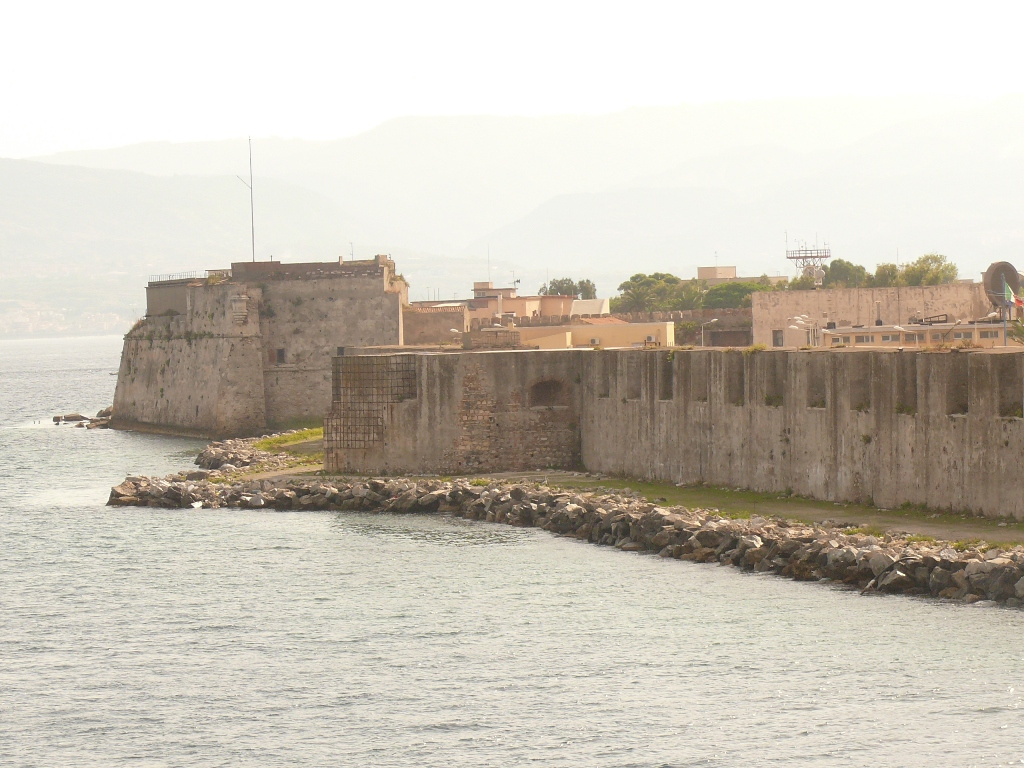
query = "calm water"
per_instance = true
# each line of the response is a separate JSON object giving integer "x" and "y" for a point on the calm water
{"x": 208, "y": 638}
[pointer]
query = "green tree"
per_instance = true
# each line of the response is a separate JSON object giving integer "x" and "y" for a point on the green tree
{"x": 566, "y": 286}
{"x": 659, "y": 291}
{"x": 731, "y": 295}
{"x": 930, "y": 269}
{"x": 802, "y": 283}
{"x": 886, "y": 276}
{"x": 844, "y": 274}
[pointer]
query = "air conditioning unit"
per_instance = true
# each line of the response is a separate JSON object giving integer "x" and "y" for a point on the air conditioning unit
{"x": 649, "y": 338}
{"x": 595, "y": 342}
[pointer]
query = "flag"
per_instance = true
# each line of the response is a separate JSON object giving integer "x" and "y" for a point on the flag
{"x": 1010, "y": 298}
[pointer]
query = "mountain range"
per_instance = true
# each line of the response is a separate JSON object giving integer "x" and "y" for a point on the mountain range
{"x": 457, "y": 199}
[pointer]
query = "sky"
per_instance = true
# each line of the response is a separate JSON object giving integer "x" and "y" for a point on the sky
{"x": 103, "y": 74}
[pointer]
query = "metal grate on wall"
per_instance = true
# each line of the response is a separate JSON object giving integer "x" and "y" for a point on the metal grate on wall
{"x": 363, "y": 387}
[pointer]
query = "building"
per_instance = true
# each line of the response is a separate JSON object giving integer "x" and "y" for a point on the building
{"x": 240, "y": 351}
{"x": 489, "y": 305}
{"x": 716, "y": 275}
{"x": 774, "y": 312}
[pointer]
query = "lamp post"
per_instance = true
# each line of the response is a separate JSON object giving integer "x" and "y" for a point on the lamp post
{"x": 950, "y": 330}
{"x": 709, "y": 322}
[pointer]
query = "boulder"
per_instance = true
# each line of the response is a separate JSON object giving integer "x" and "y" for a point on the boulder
{"x": 896, "y": 580}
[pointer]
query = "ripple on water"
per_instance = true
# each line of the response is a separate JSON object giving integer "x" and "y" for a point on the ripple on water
{"x": 221, "y": 638}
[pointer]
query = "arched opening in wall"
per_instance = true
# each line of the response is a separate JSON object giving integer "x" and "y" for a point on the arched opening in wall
{"x": 549, "y": 393}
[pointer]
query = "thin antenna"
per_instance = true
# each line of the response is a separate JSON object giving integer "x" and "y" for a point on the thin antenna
{"x": 488, "y": 263}
{"x": 252, "y": 209}
{"x": 351, "y": 251}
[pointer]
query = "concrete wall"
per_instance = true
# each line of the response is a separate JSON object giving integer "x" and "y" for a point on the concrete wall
{"x": 856, "y": 306}
{"x": 167, "y": 298}
{"x": 888, "y": 427}
{"x": 434, "y": 325}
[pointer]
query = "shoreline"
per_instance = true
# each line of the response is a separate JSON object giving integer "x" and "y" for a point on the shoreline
{"x": 891, "y": 564}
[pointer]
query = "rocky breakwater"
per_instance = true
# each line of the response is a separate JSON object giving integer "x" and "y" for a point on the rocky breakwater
{"x": 805, "y": 552}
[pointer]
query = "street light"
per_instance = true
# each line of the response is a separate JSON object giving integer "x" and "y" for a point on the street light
{"x": 709, "y": 322}
{"x": 950, "y": 330}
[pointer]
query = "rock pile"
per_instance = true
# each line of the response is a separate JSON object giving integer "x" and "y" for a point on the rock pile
{"x": 101, "y": 420}
{"x": 805, "y": 552}
{"x": 231, "y": 455}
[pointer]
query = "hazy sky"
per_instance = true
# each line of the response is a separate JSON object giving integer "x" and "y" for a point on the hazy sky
{"x": 84, "y": 75}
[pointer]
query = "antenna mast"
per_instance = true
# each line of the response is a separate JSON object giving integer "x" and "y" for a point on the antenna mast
{"x": 252, "y": 209}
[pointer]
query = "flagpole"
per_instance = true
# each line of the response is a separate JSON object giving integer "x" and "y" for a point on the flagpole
{"x": 1007, "y": 312}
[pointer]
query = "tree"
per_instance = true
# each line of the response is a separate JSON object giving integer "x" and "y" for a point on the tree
{"x": 802, "y": 283}
{"x": 659, "y": 291}
{"x": 844, "y": 274}
{"x": 886, "y": 276}
{"x": 566, "y": 286}
{"x": 731, "y": 295}
{"x": 930, "y": 269}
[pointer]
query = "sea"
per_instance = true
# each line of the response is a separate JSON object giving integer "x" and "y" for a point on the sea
{"x": 150, "y": 637}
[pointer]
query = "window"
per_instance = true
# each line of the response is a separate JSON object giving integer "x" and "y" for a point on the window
{"x": 963, "y": 334}
{"x": 864, "y": 339}
{"x": 890, "y": 337}
{"x": 846, "y": 339}
{"x": 777, "y": 339}
{"x": 988, "y": 334}
{"x": 837, "y": 340}
{"x": 936, "y": 337}
{"x": 910, "y": 338}
{"x": 279, "y": 356}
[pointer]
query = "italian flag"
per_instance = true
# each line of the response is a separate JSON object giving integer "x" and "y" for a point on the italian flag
{"x": 1012, "y": 298}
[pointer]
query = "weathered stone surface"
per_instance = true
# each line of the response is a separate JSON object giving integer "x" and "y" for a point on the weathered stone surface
{"x": 880, "y": 562}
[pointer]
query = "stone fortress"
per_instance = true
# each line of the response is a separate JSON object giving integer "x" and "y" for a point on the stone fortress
{"x": 240, "y": 351}
{"x": 268, "y": 345}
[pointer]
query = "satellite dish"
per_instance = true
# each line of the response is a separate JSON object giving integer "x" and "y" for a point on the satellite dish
{"x": 993, "y": 282}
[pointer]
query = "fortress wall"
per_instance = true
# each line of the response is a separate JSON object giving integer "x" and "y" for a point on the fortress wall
{"x": 940, "y": 429}
{"x": 196, "y": 373}
{"x": 303, "y": 323}
{"x": 454, "y": 413}
{"x": 888, "y": 427}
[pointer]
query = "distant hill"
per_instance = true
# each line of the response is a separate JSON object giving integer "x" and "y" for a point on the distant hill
{"x": 436, "y": 184}
{"x": 76, "y": 243}
{"x": 951, "y": 183}
{"x": 586, "y": 196}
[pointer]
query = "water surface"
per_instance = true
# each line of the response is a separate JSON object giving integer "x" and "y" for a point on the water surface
{"x": 216, "y": 638}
